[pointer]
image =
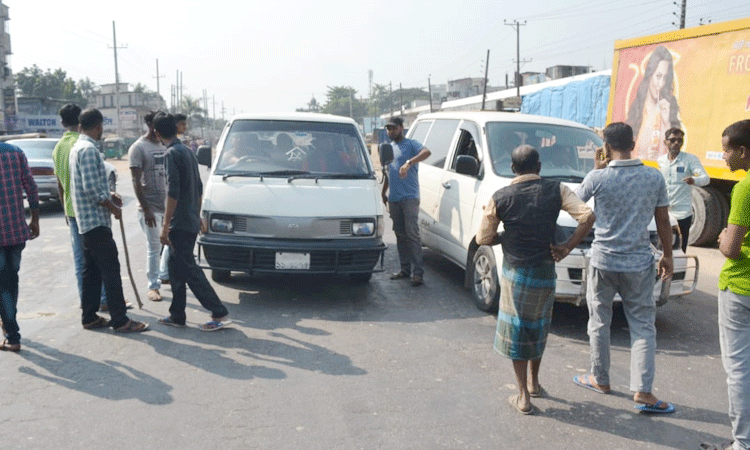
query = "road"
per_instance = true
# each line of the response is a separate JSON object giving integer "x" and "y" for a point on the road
{"x": 320, "y": 363}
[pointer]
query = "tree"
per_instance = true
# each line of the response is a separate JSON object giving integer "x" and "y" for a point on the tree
{"x": 312, "y": 106}
{"x": 342, "y": 101}
{"x": 191, "y": 107}
{"x": 33, "y": 82}
{"x": 383, "y": 101}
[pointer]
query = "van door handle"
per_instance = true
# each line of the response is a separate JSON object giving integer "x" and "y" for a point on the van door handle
{"x": 447, "y": 184}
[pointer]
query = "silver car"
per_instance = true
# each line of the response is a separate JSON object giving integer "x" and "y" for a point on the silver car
{"x": 39, "y": 154}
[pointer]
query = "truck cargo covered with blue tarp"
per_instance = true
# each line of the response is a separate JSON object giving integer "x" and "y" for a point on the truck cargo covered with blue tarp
{"x": 584, "y": 101}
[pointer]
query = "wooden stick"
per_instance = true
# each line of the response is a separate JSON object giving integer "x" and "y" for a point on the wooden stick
{"x": 127, "y": 261}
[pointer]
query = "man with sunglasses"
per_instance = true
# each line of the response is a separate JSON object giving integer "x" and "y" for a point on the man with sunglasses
{"x": 681, "y": 172}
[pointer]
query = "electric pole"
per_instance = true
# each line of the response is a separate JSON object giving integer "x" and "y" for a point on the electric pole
{"x": 486, "y": 67}
{"x": 429, "y": 90}
{"x": 401, "y": 99}
{"x": 517, "y": 26}
{"x": 683, "y": 10}
{"x": 117, "y": 77}
{"x": 158, "y": 92}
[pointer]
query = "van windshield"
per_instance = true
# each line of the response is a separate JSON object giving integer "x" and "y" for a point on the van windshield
{"x": 566, "y": 152}
{"x": 291, "y": 148}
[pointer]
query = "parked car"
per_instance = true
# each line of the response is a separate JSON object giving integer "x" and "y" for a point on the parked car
{"x": 291, "y": 193}
{"x": 471, "y": 160}
{"x": 39, "y": 154}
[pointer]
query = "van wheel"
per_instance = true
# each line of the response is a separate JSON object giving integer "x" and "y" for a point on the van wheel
{"x": 485, "y": 282}
{"x": 361, "y": 277}
{"x": 221, "y": 275}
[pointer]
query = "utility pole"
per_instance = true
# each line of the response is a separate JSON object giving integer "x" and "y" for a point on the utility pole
{"x": 390, "y": 97}
{"x": 486, "y": 67}
{"x": 517, "y": 26}
{"x": 683, "y": 10}
{"x": 182, "y": 85}
{"x": 117, "y": 77}
{"x": 401, "y": 99}
{"x": 429, "y": 90}
{"x": 158, "y": 92}
{"x": 351, "y": 111}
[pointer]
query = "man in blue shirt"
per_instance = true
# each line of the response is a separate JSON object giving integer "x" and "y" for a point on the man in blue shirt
{"x": 403, "y": 200}
{"x": 627, "y": 196}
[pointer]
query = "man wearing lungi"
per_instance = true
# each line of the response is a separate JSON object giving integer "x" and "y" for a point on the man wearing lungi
{"x": 528, "y": 208}
{"x": 627, "y": 195}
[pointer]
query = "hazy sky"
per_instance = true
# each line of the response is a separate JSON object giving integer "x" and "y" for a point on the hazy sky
{"x": 275, "y": 55}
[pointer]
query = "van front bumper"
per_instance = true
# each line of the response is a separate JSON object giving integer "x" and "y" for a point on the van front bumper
{"x": 252, "y": 255}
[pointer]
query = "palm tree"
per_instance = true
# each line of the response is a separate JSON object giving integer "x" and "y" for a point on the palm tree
{"x": 191, "y": 107}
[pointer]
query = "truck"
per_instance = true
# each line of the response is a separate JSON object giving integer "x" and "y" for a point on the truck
{"x": 697, "y": 79}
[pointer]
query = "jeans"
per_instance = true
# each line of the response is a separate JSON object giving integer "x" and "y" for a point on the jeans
{"x": 684, "y": 225}
{"x": 183, "y": 270}
{"x": 636, "y": 290}
{"x": 10, "y": 263}
{"x": 405, "y": 216}
{"x": 102, "y": 266}
{"x": 76, "y": 241}
{"x": 734, "y": 338}
{"x": 156, "y": 260}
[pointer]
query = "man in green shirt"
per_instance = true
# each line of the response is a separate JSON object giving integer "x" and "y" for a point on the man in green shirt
{"x": 60, "y": 155}
{"x": 734, "y": 288}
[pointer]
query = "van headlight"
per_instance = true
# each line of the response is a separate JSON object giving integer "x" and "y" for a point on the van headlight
{"x": 363, "y": 228}
{"x": 222, "y": 224}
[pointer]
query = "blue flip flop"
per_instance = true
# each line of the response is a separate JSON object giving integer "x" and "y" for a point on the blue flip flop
{"x": 655, "y": 408}
{"x": 585, "y": 384}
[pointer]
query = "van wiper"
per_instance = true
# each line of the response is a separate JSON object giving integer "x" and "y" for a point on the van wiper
{"x": 286, "y": 172}
{"x": 569, "y": 178}
{"x": 242, "y": 174}
{"x": 347, "y": 176}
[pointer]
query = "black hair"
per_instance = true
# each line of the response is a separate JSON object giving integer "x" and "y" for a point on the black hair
{"x": 69, "y": 114}
{"x": 738, "y": 134}
{"x": 619, "y": 136}
{"x": 165, "y": 125}
{"x": 525, "y": 159}
{"x": 149, "y": 117}
{"x": 673, "y": 130}
{"x": 90, "y": 119}
{"x": 399, "y": 122}
{"x": 179, "y": 117}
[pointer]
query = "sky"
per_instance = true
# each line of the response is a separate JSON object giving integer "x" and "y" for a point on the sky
{"x": 263, "y": 56}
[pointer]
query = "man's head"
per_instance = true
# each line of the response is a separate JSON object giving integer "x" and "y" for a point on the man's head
{"x": 525, "y": 160}
{"x": 181, "y": 122}
{"x": 69, "y": 114}
{"x": 148, "y": 119}
{"x": 618, "y": 136}
{"x": 92, "y": 123}
{"x": 395, "y": 128}
{"x": 165, "y": 127}
{"x": 674, "y": 138}
{"x": 735, "y": 140}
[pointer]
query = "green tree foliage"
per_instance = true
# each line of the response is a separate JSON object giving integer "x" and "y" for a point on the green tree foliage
{"x": 191, "y": 107}
{"x": 312, "y": 106}
{"x": 383, "y": 101}
{"x": 33, "y": 82}
{"x": 342, "y": 101}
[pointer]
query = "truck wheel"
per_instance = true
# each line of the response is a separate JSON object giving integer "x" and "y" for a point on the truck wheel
{"x": 485, "y": 282}
{"x": 723, "y": 202}
{"x": 708, "y": 219}
{"x": 221, "y": 276}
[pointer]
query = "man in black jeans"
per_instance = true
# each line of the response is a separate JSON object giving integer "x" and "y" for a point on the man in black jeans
{"x": 181, "y": 227}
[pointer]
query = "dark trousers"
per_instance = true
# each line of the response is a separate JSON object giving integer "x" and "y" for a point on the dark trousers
{"x": 10, "y": 263}
{"x": 684, "y": 225}
{"x": 101, "y": 266}
{"x": 405, "y": 216}
{"x": 183, "y": 270}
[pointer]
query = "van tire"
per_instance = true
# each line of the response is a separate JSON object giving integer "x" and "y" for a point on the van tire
{"x": 485, "y": 286}
{"x": 222, "y": 276}
{"x": 361, "y": 277}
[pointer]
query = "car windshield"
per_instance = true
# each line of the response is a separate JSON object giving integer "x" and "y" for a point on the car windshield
{"x": 293, "y": 148}
{"x": 566, "y": 152}
{"x": 36, "y": 149}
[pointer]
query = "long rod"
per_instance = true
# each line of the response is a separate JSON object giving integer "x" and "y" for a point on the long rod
{"x": 486, "y": 68}
{"x": 117, "y": 78}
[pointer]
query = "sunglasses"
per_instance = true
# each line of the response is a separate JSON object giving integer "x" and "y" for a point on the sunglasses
{"x": 673, "y": 140}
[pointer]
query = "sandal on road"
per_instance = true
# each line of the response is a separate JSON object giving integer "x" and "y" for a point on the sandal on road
{"x": 99, "y": 322}
{"x": 214, "y": 325}
{"x": 154, "y": 295}
{"x": 660, "y": 407}
{"x": 589, "y": 382}
{"x": 132, "y": 326}
{"x": 514, "y": 399}
{"x": 6, "y": 347}
{"x": 171, "y": 322}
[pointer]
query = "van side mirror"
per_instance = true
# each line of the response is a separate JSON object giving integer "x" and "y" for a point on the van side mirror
{"x": 204, "y": 155}
{"x": 386, "y": 154}
{"x": 467, "y": 165}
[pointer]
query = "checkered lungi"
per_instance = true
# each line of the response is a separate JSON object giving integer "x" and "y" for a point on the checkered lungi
{"x": 525, "y": 311}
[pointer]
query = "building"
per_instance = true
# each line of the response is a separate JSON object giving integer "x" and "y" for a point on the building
{"x": 464, "y": 87}
{"x": 133, "y": 107}
{"x": 557, "y": 72}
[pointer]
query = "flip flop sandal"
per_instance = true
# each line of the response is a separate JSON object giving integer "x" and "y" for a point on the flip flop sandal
{"x": 538, "y": 394}
{"x": 513, "y": 400}
{"x": 585, "y": 383}
{"x": 100, "y": 322}
{"x": 154, "y": 295}
{"x": 169, "y": 321}
{"x": 213, "y": 325}
{"x": 132, "y": 326}
{"x": 655, "y": 408}
{"x": 6, "y": 347}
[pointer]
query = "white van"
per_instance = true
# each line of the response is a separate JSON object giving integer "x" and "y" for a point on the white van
{"x": 291, "y": 193}
{"x": 470, "y": 161}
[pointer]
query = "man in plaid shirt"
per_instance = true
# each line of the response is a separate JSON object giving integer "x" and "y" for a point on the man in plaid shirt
{"x": 93, "y": 203}
{"x": 16, "y": 179}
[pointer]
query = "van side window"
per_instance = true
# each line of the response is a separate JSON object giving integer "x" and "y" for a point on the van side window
{"x": 466, "y": 146}
{"x": 439, "y": 141}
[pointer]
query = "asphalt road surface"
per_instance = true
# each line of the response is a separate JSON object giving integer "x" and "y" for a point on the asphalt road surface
{"x": 322, "y": 363}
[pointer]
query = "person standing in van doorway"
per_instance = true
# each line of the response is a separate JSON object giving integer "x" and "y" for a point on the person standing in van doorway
{"x": 146, "y": 157}
{"x": 403, "y": 200}
{"x": 181, "y": 226}
{"x": 681, "y": 171}
{"x": 529, "y": 208}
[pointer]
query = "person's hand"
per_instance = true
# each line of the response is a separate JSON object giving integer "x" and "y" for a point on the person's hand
{"x": 602, "y": 158}
{"x": 164, "y": 238}
{"x": 116, "y": 211}
{"x": 721, "y": 236}
{"x": 149, "y": 217}
{"x": 34, "y": 228}
{"x": 559, "y": 252}
{"x": 664, "y": 108}
{"x": 403, "y": 170}
{"x": 666, "y": 267}
{"x": 689, "y": 180}
{"x": 385, "y": 198}
{"x": 116, "y": 199}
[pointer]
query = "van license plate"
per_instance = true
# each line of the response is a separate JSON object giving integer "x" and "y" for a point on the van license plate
{"x": 292, "y": 261}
